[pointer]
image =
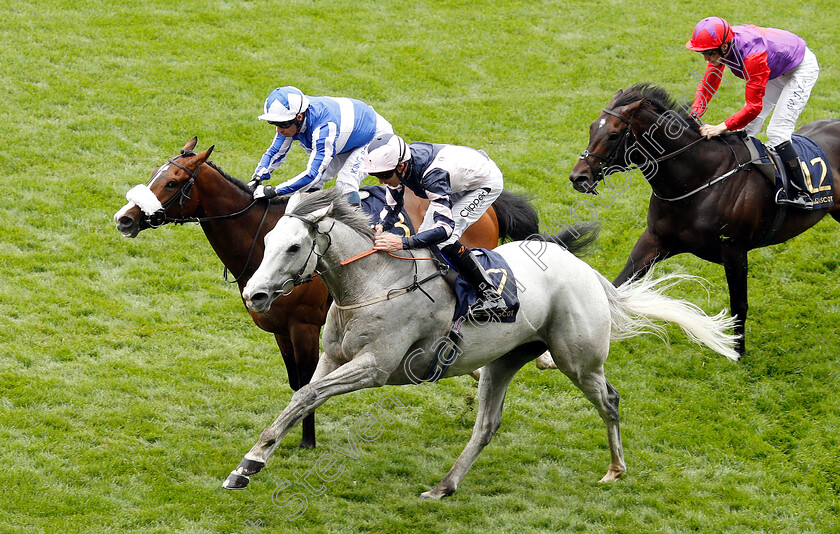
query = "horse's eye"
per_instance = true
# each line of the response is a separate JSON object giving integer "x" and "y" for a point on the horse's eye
{"x": 294, "y": 249}
{"x": 613, "y": 136}
{"x": 172, "y": 184}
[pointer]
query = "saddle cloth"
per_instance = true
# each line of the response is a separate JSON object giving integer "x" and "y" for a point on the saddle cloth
{"x": 373, "y": 201}
{"x": 818, "y": 175}
{"x": 501, "y": 275}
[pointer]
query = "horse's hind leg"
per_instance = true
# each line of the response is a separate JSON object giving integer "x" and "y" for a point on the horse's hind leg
{"x": 495, "y": 378}
{"x": 297, "y": 367}
{"x": 587, "y": 373}
{"x": 735, "y": 266}
{"x": 609, "y": 413}
{"x": 306, "y": 341}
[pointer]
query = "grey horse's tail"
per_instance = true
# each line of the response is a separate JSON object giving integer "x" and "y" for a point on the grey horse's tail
{"x": 635, "y": 304}
{"x": 577, "y": 238}
{"x": 517, "y": 217}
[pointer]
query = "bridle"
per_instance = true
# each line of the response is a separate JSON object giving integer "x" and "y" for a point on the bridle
{"x": 300, "y": 278}
{"x": 607, "y": 161}
{"x": 159, "y": 217}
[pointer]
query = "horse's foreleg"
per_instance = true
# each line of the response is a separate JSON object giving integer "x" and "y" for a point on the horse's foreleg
{"x": 647, "y": 251}
{"x": 735, "y": 265}
{"x": 495, "y": 378}
{"x": 360, "y": 373}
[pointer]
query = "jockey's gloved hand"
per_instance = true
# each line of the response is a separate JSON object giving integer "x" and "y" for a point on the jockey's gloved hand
{"x": 254, "y": 183}
{"x": 265, "y": 191}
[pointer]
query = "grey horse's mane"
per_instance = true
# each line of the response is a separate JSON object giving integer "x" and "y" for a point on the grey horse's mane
{"x": 342, "y": 210}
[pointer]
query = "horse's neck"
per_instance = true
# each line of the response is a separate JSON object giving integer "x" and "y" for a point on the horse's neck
{"x": 232, "y": 238}
{"x": 670, "y": 165}
{"x": 367, "y": 278}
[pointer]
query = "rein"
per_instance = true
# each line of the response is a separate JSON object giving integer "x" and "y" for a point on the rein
{"x": 394, "y": 293}
{"x": 300, "y": 279}
{"x": 253, "y": 243}
{"x": 711, "y": 181}
{"x": 159, "y": 218}
{"x": 607, "y": 161}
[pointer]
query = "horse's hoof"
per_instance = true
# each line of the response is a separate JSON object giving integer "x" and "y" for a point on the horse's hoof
{"x": 612, "y": 475}
{"x": 306, "y": 445}
{"x": 248, "y": 467}
{"x": 235, "y": 481}
{"x": 436, "y": 494}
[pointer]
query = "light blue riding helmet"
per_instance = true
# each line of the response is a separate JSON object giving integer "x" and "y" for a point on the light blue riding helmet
{"x": 284, "y": 104}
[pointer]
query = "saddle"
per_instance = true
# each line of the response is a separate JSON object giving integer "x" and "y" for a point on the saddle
{"x": 465, "y": 296}
{"x": 817, "y": 173}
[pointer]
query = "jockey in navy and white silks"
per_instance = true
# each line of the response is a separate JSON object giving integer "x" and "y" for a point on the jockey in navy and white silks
{"x": 461, "y": 183}
{"x": 334, "y": 131}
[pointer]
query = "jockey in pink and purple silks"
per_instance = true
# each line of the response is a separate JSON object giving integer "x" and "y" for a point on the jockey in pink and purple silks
{"x": 780, "y": 72}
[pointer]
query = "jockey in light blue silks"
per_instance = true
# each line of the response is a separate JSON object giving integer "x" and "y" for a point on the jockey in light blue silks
{"x": 333, "y": 131}
{"x": 460, "y": 183}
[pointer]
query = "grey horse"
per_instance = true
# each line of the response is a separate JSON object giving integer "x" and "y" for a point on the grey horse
{"x": 379, "y": 332}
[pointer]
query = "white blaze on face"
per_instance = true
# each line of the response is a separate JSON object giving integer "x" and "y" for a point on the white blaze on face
{"x": 602, "y": 123}
{"x": 157, "y": 174}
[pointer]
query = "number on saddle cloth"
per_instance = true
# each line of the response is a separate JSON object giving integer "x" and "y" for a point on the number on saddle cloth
{"x": 499, "y": 272}
{"x": 818, "y": 175}
{"x": 373, "y": 202}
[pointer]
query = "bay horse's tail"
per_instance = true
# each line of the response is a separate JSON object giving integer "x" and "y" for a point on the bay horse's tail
{"x": 576, "y": 238}
{"x": 517, "y": 217}
{"x": 635, "y": 304}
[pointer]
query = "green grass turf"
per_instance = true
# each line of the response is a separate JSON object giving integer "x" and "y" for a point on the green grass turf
{"x": 132, "y": 380}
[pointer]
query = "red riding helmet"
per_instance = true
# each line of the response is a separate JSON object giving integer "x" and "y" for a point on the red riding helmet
{"x": 709, "y": 34}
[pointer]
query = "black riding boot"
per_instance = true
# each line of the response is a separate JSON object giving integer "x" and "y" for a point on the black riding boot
{"x": 490, "y": 302}
{"x": 790, "y": 160}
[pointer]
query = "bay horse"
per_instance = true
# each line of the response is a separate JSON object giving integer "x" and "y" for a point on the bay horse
{"x": 378, "y": 334}
{"x": 190, "y": 188}
{"x": 708, "y": 199}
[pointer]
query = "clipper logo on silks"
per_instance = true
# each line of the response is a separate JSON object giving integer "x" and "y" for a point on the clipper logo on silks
{"x": 475, "y": 203}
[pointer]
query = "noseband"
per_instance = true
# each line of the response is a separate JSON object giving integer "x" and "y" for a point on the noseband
{"x": 607, "y": 161}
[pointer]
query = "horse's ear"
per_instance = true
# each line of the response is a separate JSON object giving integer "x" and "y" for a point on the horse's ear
{"x": 293, "y": 202}
{"x": 190, "y": 144}
{"x": 318, "y": 215}
{"x": 630, "y": 109}
{"x": 202, "y": 156}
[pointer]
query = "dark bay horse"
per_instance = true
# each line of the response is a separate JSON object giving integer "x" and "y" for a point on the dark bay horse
{"x": 192, "y": 189}
{"x": 707, "y": 198}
